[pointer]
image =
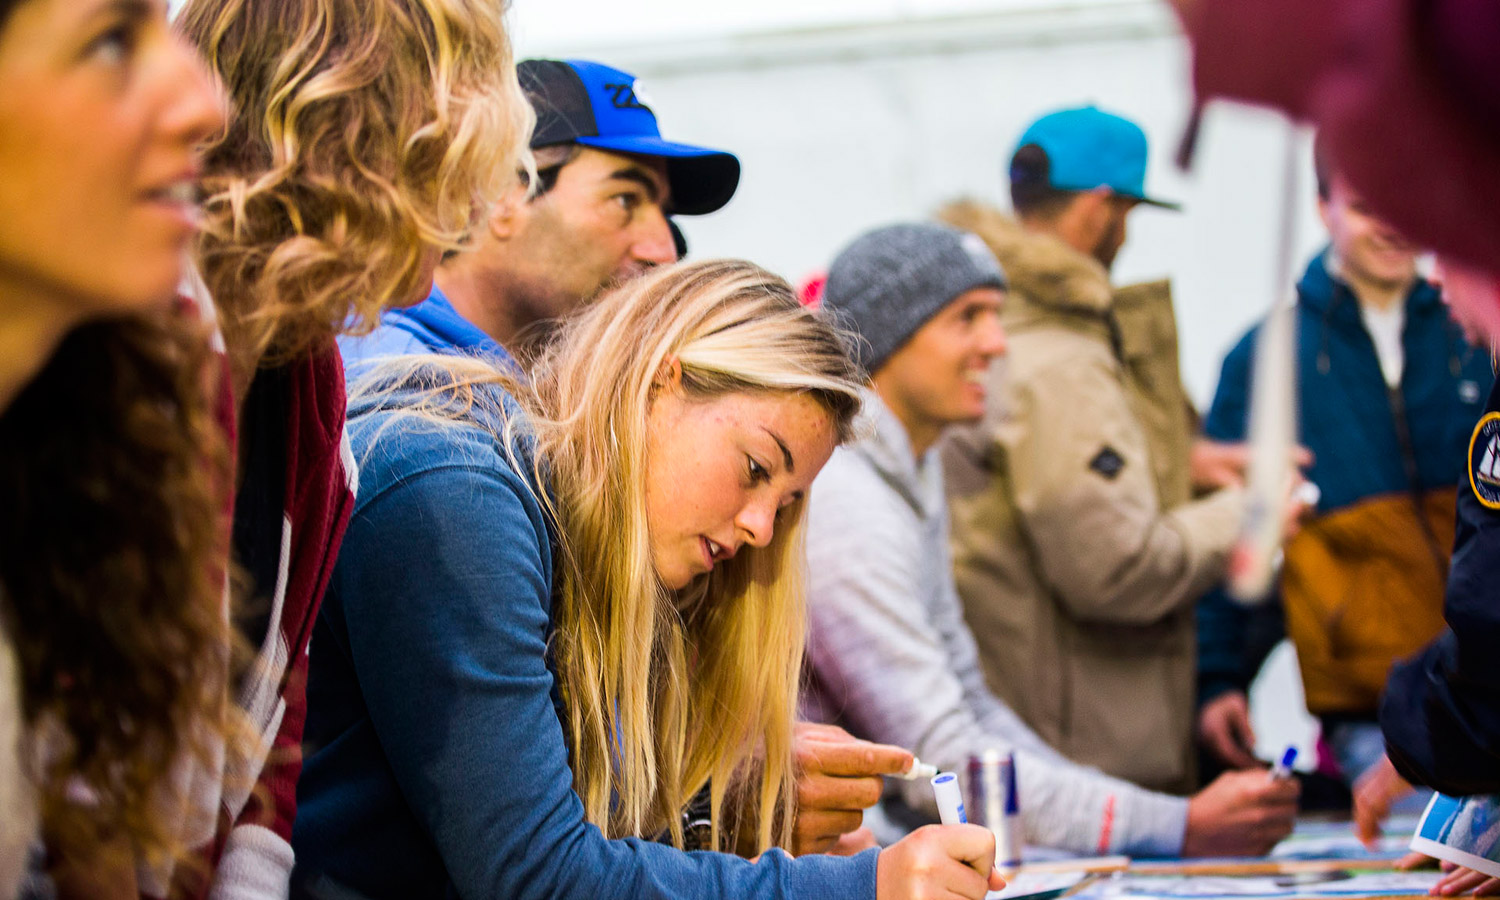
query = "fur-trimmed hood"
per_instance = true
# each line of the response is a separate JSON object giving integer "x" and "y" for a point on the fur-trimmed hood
{"x": 1039, "y": 267}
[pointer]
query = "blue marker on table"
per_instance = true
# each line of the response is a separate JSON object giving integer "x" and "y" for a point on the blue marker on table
{"x": 950, "y": 800}
{"x": 1283, "y": 769}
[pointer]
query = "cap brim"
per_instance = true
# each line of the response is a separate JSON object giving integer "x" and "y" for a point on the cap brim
{"x": 702, "y": 180}
{"x": 1175, "y": 207}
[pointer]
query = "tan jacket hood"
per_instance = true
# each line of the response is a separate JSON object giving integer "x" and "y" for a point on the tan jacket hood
{"x": 1040, "y": 268}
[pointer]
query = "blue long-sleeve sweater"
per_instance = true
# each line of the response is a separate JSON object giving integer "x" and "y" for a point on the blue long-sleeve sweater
{"x": 436, "y": 762}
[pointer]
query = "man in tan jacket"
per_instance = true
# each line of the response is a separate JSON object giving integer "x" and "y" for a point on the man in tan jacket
{"x": 1079, "y": 547}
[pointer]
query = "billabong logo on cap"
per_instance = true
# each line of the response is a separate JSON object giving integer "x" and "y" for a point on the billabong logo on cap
{"x": 627, "y": 96}
{"x": 641, "y": 95}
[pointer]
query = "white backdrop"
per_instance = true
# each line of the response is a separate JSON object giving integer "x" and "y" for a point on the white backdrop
{"x": 848, "y": 115}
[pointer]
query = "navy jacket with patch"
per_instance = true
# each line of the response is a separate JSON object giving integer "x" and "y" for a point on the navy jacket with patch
{"x": 1441, "y": 712}
{"x": 1385, "y": 461}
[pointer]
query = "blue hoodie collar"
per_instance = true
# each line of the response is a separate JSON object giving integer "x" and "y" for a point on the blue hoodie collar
{"x": 449, "y": 330}
{"x": 1326, "y": 295}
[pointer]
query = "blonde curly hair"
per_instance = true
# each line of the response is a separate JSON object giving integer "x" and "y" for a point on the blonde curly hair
{"x": 366, "y": 138}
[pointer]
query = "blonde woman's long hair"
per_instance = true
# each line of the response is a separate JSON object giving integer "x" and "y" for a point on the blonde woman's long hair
{"x": 664, "y": 692}
{"x": 366, "y": 137}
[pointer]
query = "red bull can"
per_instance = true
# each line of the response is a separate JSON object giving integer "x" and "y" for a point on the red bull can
{"x": 994, "y": 803}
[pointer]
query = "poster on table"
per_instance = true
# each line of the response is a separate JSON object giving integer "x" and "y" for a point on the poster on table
{"x": 1462, "y": 830}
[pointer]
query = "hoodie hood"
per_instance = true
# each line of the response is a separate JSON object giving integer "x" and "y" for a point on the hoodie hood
{"x": 886, "y": 446}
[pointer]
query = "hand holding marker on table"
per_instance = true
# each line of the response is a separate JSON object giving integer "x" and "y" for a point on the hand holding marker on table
{"x": 1283, "y": 768}
{"x": 950, "y": 804}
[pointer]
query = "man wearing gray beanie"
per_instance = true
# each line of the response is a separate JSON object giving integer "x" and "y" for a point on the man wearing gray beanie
{"x": 890, "y": 656}
{"x": 890, "y": 281}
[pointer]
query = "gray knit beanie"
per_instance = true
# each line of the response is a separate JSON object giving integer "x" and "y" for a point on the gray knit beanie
{"x": 890, "y": 281}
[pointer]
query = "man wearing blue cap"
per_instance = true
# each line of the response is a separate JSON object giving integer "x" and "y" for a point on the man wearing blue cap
{"x": 607, "y": 182}
{"x": 1079, "y": 546}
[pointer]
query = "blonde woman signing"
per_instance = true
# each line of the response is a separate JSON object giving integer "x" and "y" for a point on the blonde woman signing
{"x": 365, "y": 136}
{"x": 564, "y": 608}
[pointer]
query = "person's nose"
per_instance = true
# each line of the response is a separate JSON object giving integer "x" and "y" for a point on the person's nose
{"x": 757, "y": 522}
{"x": 196, "y": 105}
{"x": 993, "y": 342}
{"x": 654, "y": 244}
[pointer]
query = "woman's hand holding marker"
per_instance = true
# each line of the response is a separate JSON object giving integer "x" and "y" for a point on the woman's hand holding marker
{"x": 939, "y": 861}
{"x": 953, "y": 858}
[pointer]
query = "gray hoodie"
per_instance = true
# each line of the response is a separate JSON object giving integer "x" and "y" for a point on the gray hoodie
{"x": 892, "y": 660}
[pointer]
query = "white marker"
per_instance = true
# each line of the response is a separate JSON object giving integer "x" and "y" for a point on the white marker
{"x": 1283, "y": 768}
{"x": 918, "y": 770}
{"x": 950, "y": 800}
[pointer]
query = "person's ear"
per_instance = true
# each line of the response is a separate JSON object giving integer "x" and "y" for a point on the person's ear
{"x": 668, "y": 376}
{"x": 509, "y": 215}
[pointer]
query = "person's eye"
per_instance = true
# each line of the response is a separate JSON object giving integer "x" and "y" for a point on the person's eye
{"x": 758, "y": 472}
{"x": 114, "y": 45}
{"x": 628, "y": 201}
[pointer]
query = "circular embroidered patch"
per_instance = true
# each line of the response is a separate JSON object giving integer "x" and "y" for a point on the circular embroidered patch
{"x": 1484, "y": 460}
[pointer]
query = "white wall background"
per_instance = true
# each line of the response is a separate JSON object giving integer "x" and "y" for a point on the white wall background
{"x": 851, "y": 113}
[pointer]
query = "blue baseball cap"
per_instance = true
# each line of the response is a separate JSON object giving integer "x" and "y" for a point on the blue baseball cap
{"x": 1088, "y": 148}
{"x": 582, "y": 102}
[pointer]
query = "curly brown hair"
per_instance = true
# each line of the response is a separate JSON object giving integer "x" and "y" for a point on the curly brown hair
{"x": 367, "y": 138}
{"x": 113, "y": 549}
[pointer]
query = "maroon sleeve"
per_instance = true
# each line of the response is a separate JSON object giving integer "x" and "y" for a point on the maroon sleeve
{"x": 273, "y": 803}
{"x": 1464, "y": 34}
{"x": 1405, "y": 94}
{"x": 319, "y": 501}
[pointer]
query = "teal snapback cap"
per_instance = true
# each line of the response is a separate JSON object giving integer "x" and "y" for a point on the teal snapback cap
{"x": 1088, "y": 148}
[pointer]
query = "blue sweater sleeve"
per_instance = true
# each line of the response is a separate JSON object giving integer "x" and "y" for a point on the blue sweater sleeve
{"x": 447, "y": 607}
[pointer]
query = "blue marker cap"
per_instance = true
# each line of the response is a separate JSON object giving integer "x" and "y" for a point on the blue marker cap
{"x": 1289, "y": 757}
